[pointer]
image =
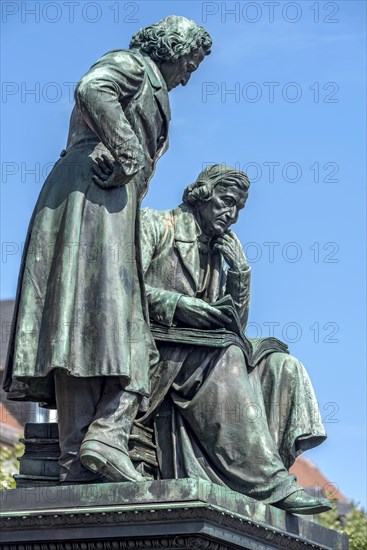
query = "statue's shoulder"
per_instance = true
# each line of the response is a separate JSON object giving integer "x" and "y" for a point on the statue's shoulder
{"x": 156, "y": 217}
{"x": 169, "y": 225}
{"x": 131, "y": 60}
{"x": 157, "y": 226}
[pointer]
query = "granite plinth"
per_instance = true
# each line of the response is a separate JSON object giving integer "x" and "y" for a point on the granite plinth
{"x": 170, "y": 514}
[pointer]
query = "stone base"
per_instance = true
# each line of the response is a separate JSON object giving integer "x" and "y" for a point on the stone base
{"x": 169, "y": 514}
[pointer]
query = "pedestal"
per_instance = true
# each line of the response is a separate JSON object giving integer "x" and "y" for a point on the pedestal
{"x": 169, "y": 514}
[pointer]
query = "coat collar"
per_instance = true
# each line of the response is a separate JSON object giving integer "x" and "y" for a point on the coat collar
{"x": 185, "y": 234}
{"x": 157, "y": 81}
{"x": 154, "y": 74}
{"x": 186, "y": 228}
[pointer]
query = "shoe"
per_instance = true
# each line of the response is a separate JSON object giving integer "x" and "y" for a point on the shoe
{"x": 302, "y": 503}
{"x": 112, "y": 463}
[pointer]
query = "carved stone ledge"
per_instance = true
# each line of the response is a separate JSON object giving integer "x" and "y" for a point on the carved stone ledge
{"x": 183, "y": 542}
{"x": 160, "y": 514}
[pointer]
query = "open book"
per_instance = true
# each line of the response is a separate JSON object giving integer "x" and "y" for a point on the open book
{"x": 255, "y": 349}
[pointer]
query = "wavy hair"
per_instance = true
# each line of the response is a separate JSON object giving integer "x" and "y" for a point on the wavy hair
{"x": 202, "y": 189}
{"x": 171, "y": 38}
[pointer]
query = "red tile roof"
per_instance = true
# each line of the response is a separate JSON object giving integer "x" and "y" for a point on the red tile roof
{"x": 10, "y": 429}
{"x": 308, "y": 475}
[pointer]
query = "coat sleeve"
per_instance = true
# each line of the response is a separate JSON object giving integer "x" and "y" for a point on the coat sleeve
{"x": 238, "y": 286}
{"x": 162, "y": 303}
{"x": 102, "y": 95}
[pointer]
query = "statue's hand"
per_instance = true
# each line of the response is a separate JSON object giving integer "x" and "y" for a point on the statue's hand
{"x": 197, "y": 313}
{"x": 108, "y": 174}
{"x": 230, "y": 246}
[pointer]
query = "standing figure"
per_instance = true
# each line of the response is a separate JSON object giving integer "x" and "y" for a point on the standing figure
{"x": 80, "y": 337}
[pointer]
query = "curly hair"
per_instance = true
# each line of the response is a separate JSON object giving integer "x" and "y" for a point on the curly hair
{"x": 171, "y": 38}
{"x": 202, "y": 189}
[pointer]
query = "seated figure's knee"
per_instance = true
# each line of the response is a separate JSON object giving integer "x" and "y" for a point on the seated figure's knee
{"x": 284, "y": 364}
{"x": 235, "y": 360}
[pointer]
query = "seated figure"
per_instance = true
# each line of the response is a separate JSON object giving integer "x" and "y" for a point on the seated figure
{"x": 227, "y": 410}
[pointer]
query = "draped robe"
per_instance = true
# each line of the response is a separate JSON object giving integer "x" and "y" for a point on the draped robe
{"x": 216, "y": 417}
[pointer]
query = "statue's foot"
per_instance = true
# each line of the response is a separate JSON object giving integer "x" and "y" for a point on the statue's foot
{"x": 108, "y": 461}
{"x": 302, "y": 503}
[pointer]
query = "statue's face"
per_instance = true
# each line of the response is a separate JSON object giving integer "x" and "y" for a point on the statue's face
{"x": 222, "y": 210}
{"x": 179, "y": 72}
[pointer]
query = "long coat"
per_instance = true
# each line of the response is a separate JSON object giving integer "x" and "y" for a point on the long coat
{"x": 171, "y": 267}
{"x": 80, "y": 302}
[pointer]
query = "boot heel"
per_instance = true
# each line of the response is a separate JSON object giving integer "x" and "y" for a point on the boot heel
{"x": 93, "y": 461}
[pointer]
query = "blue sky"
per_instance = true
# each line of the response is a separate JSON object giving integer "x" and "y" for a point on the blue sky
{"x": 281, "y": 96}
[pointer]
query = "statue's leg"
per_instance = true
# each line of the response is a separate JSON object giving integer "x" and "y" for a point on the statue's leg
{"x": 95, "y": 416}
{"x": 76, "y": 400}
{"x": 215, "y": 398}
{"x": 292, "y": 411}
{"x": 105, "y": 445}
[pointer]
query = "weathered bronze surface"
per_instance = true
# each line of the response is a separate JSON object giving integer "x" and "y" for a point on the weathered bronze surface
{"x": 224, "y": 412}
{"x": 224, "y": 409}
{"x": 80, "y": 336}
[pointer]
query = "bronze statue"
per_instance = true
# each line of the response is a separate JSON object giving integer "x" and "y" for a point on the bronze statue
{"x": 80, "y": 337}
{"x": 226, "y": 409}
{"x": 94, "y": 276}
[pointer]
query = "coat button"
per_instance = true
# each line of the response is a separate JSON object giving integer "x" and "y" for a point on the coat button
{"x": 63, "y": 153}
{"x": 161, "y": 140}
